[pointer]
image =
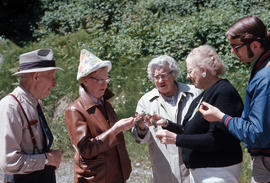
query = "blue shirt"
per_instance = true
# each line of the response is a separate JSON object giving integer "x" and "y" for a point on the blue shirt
{"x": 253, "y": 127}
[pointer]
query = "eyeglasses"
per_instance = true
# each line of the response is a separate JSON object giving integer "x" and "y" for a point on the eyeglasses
{"x": 236, "y": 47}
{"x": 163, "y": 76}
{"x": 101, "y": 81}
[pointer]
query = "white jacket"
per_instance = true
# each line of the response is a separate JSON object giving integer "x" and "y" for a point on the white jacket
{"x": 167, "y": 167}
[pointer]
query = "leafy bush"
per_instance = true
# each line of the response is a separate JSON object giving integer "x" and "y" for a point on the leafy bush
{"x": 62, "y": 17}
{"x": 129, "y": 34}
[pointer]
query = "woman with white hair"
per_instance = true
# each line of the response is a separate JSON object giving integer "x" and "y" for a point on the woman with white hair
{"x": 169, "y": 99}
{"x": 94, "y": 129}
{"x": 210, "y": 152}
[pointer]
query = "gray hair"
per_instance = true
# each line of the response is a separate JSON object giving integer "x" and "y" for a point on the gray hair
{"x": 205, "y": 56}
{"x": 24, "y": 78}
{"x": 163, "y": 61}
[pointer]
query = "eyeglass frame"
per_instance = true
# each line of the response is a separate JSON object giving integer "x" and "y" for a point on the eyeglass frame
{"x": 100, "y": 81}
{"x": 163, "y": 76}
{"x": 236, "y": 47}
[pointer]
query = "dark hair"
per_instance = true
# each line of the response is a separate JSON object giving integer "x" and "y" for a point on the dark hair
{"x": 249, "y": 29}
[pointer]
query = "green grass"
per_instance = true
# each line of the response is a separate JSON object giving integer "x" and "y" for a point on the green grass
{"x": 246, "y": 167}
{"x": 138, "y": 152}
{"x": 61, "y": 138}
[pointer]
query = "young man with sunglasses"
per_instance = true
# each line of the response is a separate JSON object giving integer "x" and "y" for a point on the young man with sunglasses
{"x": 251, "y": 42}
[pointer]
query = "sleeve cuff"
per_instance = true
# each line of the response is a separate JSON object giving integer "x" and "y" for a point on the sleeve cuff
{"x": 167, "y": 124}
{"x": 226, "y": 119}
{"x": 178, "y": 140}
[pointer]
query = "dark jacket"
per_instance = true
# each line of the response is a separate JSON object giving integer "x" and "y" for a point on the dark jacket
{"x": 100, "y": 156}
{"x": 207, "y": 144}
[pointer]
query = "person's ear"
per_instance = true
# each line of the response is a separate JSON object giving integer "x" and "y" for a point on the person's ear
{"x": 255, "y": 45}
{"x": 203, "y": 72}
{"x": 35, "y": 76}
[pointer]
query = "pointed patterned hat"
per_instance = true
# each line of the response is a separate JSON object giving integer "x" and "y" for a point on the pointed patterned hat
{"x": 90, "y": 63}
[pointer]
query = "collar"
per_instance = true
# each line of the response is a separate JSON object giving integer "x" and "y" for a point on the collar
{"x": 260, "y": 63}
{"x": 21, "y": 91}
{"x": 183, "y": 89}
{"x": 97, "y": 101}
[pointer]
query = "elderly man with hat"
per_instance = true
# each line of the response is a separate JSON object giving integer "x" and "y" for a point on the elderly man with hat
{"x": 25, "y": 138}
{"x": 94, "y": 129}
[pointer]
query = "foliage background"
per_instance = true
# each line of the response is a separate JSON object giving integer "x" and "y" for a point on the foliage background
{"x": 127, "y": 32}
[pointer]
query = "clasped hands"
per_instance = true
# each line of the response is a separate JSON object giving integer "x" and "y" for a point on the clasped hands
{"x": 164, "y": 136}
{"x": 142, "y": 121}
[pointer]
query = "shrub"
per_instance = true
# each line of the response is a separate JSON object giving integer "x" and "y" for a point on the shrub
{"x": 129, "y": 34}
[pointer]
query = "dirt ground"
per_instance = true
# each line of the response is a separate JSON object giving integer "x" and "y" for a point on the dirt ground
{"x": 140, "y": 174}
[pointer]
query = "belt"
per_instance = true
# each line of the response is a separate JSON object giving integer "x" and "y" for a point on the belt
{"x": 259, "y": 150}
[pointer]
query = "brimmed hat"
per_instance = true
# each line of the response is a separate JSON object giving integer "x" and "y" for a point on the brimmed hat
{"x": 90, "y": 63}
{"x": 37, "y": 61}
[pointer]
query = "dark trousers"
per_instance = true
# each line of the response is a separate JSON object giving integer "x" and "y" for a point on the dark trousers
{"x": 47, "y": 175}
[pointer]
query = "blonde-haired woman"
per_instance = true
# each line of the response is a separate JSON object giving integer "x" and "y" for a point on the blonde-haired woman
{"x": 211, "y": 153}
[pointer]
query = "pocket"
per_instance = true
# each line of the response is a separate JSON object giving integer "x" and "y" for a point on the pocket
{"x": 266, "y": 162}
{"x": 94, "y": 168}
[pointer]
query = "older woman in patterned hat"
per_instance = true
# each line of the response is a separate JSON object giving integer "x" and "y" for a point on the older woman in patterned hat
{"x": 94, "y": 129}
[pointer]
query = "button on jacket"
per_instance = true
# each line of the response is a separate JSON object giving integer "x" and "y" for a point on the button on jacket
{"x": 99, "y": 155}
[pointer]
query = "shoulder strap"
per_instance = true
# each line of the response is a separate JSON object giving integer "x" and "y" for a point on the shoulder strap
{"x": 28, "y": 124}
